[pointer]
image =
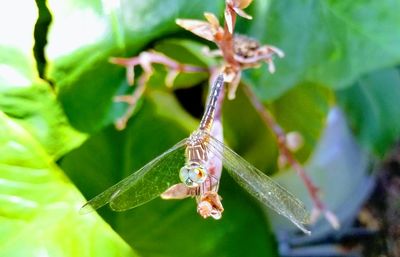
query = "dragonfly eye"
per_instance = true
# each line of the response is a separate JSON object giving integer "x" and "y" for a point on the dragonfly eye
{"x": 193, "y": 175}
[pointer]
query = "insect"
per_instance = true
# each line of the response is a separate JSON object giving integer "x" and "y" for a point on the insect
{"x": 186, "y": 162}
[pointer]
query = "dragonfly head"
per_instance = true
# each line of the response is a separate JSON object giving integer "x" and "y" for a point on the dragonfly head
{"x": 193, "y": 174}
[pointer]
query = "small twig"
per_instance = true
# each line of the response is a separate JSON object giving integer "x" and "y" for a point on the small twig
{"x": 152, "y": 57}
{"x": 145, "y": 61}
{"x": 280, "y": 136}
{"x": 131, "y": 100}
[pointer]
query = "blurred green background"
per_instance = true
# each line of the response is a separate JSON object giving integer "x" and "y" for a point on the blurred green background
{"x": 58, "y": 144}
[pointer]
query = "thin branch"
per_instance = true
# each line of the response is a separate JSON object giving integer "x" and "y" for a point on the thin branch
{"x": 131, "y": 100}
{"x": 145, "y": 60}
{"x": 280, "y": 136}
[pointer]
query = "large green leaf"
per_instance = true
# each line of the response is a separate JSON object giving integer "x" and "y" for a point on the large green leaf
{"x": 36, "y": 109}
{"x": 329, "y": 43}
{"x": 16, "y": 42}
{"x": 23, "y": 95}
{"x": 166, "y": 228}
{"x": 84, "y": 34}
{"x": 38, "y": 205}
{"x": 372, "y": 107}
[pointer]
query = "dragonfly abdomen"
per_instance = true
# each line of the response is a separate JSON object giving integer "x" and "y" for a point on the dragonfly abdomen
{"x": 208, "y": 117}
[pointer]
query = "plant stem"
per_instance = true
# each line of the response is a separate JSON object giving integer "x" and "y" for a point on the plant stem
{"x": 145, "y": 60}
{"x": 280, "y": 136}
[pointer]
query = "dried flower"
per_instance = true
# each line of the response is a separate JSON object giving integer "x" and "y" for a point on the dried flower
{"x": 210, "y": 29}
{"x": 234, "y": 7}
{"x": 250, "y": 53}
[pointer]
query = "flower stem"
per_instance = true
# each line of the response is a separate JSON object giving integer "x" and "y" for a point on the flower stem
{"x": 280, "y": 136}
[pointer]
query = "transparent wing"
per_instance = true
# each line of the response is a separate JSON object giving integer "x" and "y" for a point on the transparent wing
{"x": 143, "y": 185}
{"x": 260, "y": 185}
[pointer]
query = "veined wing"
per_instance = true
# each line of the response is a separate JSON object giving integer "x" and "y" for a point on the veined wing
{"x": 143, "y": 185}
{"x": 260, "y": 185}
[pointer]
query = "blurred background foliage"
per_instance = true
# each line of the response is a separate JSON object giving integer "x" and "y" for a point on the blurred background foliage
{"x": 57, "y": 112}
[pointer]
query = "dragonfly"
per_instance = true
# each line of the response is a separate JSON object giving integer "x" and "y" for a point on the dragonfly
{"x": 186, "y": 162}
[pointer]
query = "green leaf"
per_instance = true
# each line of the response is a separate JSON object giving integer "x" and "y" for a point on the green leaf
{"x": 304, "y": 109}
{"x": 329, "y": 43}
{"x": 84, "y": 34}
{"x": 174, "y": 225}
{"x": 372, "y": 109}
{"x": 36, "y": 109}
{"x": 39, "y": 206}
{"x": 247, "y": 134}
{"x": 23, "y": 95}
{"x": 16, "y": 42}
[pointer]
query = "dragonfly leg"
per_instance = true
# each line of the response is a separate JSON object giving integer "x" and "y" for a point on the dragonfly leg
{"x": 211, "y": 184}
{"x": 214, "y": 183}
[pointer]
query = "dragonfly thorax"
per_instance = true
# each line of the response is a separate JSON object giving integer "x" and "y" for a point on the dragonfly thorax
{"x": 196, "y": 151}
{"x": 193, "y": 174}
{"x": 197, "y": 137}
